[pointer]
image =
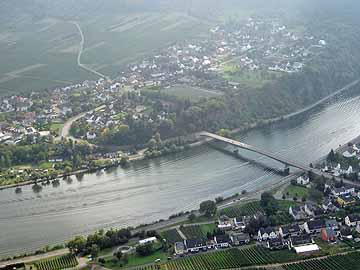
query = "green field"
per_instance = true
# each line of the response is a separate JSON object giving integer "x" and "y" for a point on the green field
{"x": 231, "y": 258}
{"x": 197, "y": 231}
{"x": 337, "y": 262}
{"x": 171, "y": 236}
{"x": 247, "y": 209}
{"x": 43, "y": 54}
{"x": 55, "y": 263}
{"x": 189, "y": 92}
{"x": 296, "y": 191}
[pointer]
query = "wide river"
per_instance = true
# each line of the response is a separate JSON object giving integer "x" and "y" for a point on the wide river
{"x": 151, "y": 190}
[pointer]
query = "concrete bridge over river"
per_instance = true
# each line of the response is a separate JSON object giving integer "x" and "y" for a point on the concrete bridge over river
{"x": 284, "y": 160}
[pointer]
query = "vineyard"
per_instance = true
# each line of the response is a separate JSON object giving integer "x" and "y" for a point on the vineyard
{"x": 231, "y": 258}
{"x": 191, "y": 232}
{"x": 247, "y": 209}
{"x": 57, "y": 263}
{"x": 172, "y": 236}
{"x": 337, "y": 262}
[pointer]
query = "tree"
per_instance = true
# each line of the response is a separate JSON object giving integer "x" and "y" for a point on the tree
{"x": 145, "y": 250}
{"x": 94, "y": 250}
{"x": 208, "y": 208}
{"x": 331, "y": 156}
{"x": 192, "y": 217}
{"x": 269, "y": 203}
{"x": 77, "y": 245}
{"x": 118, "y": 254}
{"x": 316, "y": 195}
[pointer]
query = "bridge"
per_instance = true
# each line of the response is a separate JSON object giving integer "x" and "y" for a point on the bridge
{"x": 284, "y": 160}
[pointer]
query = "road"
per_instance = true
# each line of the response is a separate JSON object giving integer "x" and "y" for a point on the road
{"x": 65, "y": 131}
{"x": 82, "y": 42}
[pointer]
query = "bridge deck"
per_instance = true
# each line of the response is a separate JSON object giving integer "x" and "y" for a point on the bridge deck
{"x": 251, "y": 148}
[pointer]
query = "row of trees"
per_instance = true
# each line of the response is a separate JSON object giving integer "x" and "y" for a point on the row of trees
{"x": 98, "y": 241}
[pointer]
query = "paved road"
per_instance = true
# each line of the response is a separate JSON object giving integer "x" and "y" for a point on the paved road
{"x": 65, "y": 131}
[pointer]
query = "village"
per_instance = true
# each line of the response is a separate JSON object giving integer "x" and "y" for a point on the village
{"x": 257, "y": 44}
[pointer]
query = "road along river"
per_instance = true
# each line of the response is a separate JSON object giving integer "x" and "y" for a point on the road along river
{"x": 151, "y": 190}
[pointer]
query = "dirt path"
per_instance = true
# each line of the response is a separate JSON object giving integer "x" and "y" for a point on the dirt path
{"x": 82, "y": 42}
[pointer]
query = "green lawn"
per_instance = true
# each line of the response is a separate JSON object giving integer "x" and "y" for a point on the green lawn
{"x": 188, "y": 92}
{"x": 56, "y": 127}
{"x": 296, "y": 191}
{"x": 136, "y": 260}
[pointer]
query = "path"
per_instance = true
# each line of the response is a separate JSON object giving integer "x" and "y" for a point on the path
{"x": 82, "y": 42}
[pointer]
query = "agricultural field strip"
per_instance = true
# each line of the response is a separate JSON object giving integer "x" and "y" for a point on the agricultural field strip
{"x": 15, "y": 73}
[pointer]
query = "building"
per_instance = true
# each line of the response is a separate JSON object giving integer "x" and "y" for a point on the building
{"x": 332, "y": 224}
{"x": 266, "y": 233}
{"x": 179, "y": 248}
{"x": 195, "y": 245}
{"x": 148, "y": 240}
{"x": 222, "y": 241}
{"x": 313, "y": 210}
{"x": 224, "y": 223}
{"x": 314, "y": 226}
{"x": 276, "y": 243}
{"x": 303, "y": 244}
{"x": 297, "y": 212}
{"x": 290, "y": 230}
{"x": 239, "y": 223}
{"x": 345, "y": 200}
{"x": 342, "y": 191}
{"x": 352, "y": 220}
{"x": 238, "y": 239}
{"x": 303, "y": 180}
{"x": 328, "y": 234}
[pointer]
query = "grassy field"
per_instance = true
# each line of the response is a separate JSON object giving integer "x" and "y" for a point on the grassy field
{"x": 257, "y": 79}
{"x": 296, "y": 191}
{"x": 188, "y": 92}
{"x": 43, "y": 54}
{"x": 197, "y": 231}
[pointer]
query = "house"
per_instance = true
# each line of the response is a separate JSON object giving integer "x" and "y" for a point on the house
{"x": 179, "y": 248}
{"x": 342, "y": 191}
{"x": 304, "y": 239}
{"x": 313, "y": 210}
{"x": 224, "y": 223}
{"x": 239, "y": 223}
{"x": 303, "y": 244}
{"x": 222, "y": 241}
{"x": 345, "y": 200}
{"x": 290, "y": 230}
{"x": 352, "y": 220}
{"x": 297, "y": 212}
{"x": 238, "y": 239}
{"x": 328, "y": 206}
{"x": 195, "y": 245}
{"x": 303, "y": 180}
{"x": 314, "y": 226}
{"x": 266, "y": 233}
{"x": 345, "y": 232}
{"x": 328, "y": 234}
{"x": 276, "y": 243}
{"x": 332, "y": 224}
{"x": 148, "y": 240}
{"x": 90, "y": 136}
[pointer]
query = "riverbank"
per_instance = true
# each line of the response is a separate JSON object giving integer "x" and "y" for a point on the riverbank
{"x": 200, "y": 141}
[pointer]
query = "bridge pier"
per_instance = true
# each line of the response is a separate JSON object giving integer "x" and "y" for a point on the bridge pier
{"x": 286, "y": 170}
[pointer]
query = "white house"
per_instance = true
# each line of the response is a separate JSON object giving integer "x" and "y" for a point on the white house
{"x": 90, "y": 136}
{"x": 266, "y": 233}
{"x": 352, "y": 220}
{"x": 303, "y": 180}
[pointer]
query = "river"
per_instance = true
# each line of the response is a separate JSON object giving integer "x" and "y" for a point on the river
{"x": 155, "y": 189}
